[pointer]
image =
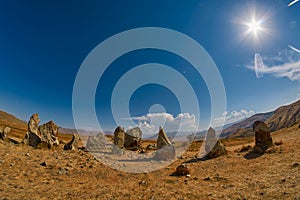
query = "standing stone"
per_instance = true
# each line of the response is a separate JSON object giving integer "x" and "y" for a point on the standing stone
{"x": 213, "y": 147}
{"x": 166, "y": 153}
{"x": 32, "y": 137}
{"x": 49, "y": 132}
{"x": 119, "y": 137}
{"x": 73, "y": 144}
{"x": 96, "y": 142}
{"x": 133, "y": 138}
{"x": 162, "y": 139}
{"x": 263, "y": 139}
{"x": 166, "y": 150}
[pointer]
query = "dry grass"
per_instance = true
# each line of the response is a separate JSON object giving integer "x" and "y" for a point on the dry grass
{"x": 77, "y": 175}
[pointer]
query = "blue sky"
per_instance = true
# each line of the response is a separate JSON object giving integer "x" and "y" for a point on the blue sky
{"x": 43, "y": 45}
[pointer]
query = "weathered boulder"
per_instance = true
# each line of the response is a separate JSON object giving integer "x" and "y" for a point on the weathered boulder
{"x": 133, "y": 138}
{"x": 166, "y": 153}
{"x": 48, "y": 133}
{"x": 73, "y": 144}
{"x": 263, "y": 139}
{"x": 96, "y": 142}
{"x": 4, "y": 132}
{"x": 32, "y": 137}
{"x": 119, "y": 137}
{"x": 213, "y": 147}
{"x": 162, "y": 139}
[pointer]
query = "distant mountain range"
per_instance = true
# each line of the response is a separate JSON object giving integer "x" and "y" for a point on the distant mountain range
{"x": 282, "y": 117}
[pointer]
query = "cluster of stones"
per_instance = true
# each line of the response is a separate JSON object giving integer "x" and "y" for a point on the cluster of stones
{"x": 44, "y": 135}
{"x": 130, "y": 140}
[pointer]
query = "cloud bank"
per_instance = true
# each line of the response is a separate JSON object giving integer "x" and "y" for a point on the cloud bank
{"x": 151, "y": 122}
{"x": 232, "y": 117}
{"x": 285, "y": 64}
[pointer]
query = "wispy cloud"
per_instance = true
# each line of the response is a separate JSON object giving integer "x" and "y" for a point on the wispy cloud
{"x": 285, "y": 64}
{"x": 151, "y": 122}
{"x": 232, "y": 117}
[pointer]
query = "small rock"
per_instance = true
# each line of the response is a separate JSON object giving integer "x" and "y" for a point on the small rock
{"x": 44, "y": 164}
{"x": 182, "y": 170}
{"x": 143, "y": 182}
{"x": 11, "y": 164}
{"x": 207, "y": 178}
{"x": 27, "y": 154}
{"x": 295, "y": 165}
{"x": 277, "y": 143}
{"x": 188, "y": 175}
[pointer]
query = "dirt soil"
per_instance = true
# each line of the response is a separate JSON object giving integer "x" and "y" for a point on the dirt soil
{"x": 79, "y": 175}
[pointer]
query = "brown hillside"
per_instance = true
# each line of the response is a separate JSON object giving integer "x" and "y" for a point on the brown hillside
{"x": 18, "y": 127}
{"x": 285, "y": 116}
{"x": 77, "y": 175}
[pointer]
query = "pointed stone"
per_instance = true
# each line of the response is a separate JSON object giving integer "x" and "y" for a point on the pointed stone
{"x": 162, "y": 139}
{"x": 165, "y": 149}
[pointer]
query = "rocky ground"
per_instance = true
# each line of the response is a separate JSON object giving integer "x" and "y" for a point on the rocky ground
{"x": 31, "y": 173}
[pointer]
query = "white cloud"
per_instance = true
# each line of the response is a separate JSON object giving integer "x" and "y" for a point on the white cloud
{"x": 232, "y": 117}
{"x": 151, "y": 122}
{"x": 285, "y": 64}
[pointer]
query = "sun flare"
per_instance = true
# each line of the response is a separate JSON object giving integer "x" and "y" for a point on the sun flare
{"x": 254, "y": 27}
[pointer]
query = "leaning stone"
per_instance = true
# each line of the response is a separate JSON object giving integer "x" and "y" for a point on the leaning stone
{"x": 73, "y": 144}
{"x": 162, "y": 139}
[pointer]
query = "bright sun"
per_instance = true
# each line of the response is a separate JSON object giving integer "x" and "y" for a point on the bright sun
{"x": 254, "y": 27}
{"x": 255, "y": 24}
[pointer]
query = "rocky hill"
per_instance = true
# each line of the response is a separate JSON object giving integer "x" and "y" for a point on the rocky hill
{"x": 242, "y": 126}
{"x": 285, "y": 116}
